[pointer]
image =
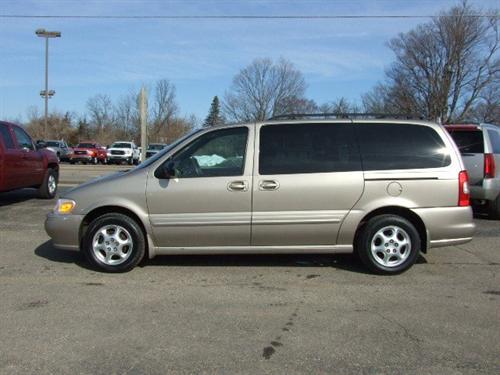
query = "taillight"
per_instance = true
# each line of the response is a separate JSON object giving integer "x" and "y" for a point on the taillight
{"x": 489, "y": 166}
{"x": 463, "y": 189}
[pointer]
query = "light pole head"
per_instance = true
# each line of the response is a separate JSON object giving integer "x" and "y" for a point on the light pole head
{"x": 47, "y": 34}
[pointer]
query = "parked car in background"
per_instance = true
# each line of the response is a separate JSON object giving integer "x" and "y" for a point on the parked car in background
{"x": 385, "y": 189}
{"x": 23, "y": 165}
{"x": 154, "y": 148}
{"x": 479, "y": 145}
{"x": 60, "y": 148}
{"x": 89, "y": 152}
{"x": 123, "y": 152}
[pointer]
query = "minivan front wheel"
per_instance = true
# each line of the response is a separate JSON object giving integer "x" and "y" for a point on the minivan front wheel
{"x": 388, "y": 244}
{"x": 114, "y": 243}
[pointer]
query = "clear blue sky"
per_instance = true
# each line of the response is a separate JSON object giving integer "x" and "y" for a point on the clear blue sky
{"x": 341, "y": 57}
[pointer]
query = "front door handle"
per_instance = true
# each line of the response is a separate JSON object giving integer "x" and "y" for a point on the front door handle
{"x": 269, "y": 185}
{"x": 238, "y": 186}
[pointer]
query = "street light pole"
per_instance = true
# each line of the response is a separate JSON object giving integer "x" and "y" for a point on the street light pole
{"x": 46, "y": 94}
{"x": 45, "y": 135}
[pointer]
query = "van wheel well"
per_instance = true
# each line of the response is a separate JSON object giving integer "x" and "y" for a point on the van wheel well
{"x": 97, "y": 212}
{"x": 53, "y": 166}
{"x": 400, "y": 211}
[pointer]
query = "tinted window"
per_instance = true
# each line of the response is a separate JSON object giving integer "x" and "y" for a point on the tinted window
{"x": 53, "y": 144}
{"x": 86, "y": 145}
{"x": 214, "y": 154}
{"x": 23, "y": 139}
{"x": 400, "y": 146}
{"x": 121, "y": 145}
{"x": 468, "y": 141}
{"x": 6, "y": 137}
{"x": 495, "y": 140}
{"x": 307, "y": 148}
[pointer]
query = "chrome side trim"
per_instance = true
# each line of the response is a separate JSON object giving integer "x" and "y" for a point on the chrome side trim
{"x": 244, "y": 218}
{"x": 298, "y": 217}
{"x": 196, "y": 219}
{"x": 318, "y": 249}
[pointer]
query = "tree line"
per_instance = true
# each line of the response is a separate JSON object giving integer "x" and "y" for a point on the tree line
{"x": 445, "y": 70}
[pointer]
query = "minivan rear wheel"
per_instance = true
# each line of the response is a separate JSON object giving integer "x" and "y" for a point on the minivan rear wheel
{"x": 114, "y": 243}
{"x": 494, "y": 208}
{"x": 388, "y": 244}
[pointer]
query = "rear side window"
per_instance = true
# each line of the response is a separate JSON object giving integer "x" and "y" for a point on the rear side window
{"x": 6, "y": 137}
{"x": 468, "y": 141}
{"x": 400, "y": 146}
{"x": 307, "y": 148}
{"x": 495, "y": 140}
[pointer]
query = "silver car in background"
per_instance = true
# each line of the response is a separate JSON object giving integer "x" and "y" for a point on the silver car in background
{"x": 60, "y": 148}
{"x": 384, "y": 189}
{"x": 479, "y": 145}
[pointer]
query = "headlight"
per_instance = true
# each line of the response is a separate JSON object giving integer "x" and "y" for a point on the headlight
{"x": 64, "y": 206}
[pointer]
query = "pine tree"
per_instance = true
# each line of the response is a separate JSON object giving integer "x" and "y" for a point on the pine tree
{"x": 214, "y": 117}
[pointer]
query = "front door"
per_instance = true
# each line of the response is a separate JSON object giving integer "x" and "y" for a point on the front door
{"x": 307, "y": 178}
{"x": 33, "y": 170}
{"x": 208, "y": 200}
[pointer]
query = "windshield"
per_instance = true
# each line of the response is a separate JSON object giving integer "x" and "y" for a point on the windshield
{"x": 121, "y": 145}
{"x": 167, "y": 148}
{"x": 86, "y": 145}
{"x": 156, "y": 146}
{"x": 52, "y": 144}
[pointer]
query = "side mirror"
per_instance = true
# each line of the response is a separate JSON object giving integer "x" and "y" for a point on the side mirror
{"x": 40, "y": 145}
{"x": 165, "y": 171}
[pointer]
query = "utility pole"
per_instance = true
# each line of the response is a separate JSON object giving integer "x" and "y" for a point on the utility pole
{"x": 143, "y": 107}
{"x": 42, "y": 33}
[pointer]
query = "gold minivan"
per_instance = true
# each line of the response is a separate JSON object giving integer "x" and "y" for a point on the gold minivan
{"x": 386, "y": 189}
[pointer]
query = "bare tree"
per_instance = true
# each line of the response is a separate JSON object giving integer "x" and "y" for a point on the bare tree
{"x": 100, "y": 110}
{"x": 488, "y": 107}
{"x": 127, "y": 116}
{"x": 442, "y": 66}
{"x": 264, "y": 89}
{"x": 164, "y": 107}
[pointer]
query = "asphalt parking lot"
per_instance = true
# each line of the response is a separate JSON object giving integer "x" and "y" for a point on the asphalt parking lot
{"x": 241, "y": 314}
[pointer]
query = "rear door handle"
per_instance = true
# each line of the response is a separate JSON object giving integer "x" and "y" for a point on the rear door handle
{"x": 269, "y": 185}
{"x": 238, "y": 186}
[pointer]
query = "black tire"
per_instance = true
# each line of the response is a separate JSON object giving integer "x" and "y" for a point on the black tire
{"x": 94, "y": 161}
{"x": 71, "y": 162}
{"x": 104, "y": 161}
{"x": 46, "y": 190}
{"x": 494, "y": 208}
{"x": 133, "y": 228}
{"x": 130, "y": 161}
{"x": 369, "y": 232}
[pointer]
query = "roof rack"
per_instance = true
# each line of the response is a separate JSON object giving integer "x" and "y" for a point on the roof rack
{"x": 294, "y": 116}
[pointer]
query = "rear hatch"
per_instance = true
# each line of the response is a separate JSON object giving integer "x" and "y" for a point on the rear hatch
{"x": 470, "y": 142}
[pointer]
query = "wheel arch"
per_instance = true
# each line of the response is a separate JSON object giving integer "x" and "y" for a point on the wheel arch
{"x": 102, "y": 210}
{"x": 404, "y": 212}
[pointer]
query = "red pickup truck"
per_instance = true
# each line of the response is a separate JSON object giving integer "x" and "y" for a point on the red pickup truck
{"x": 89, "y": 152}
{"x": 23, "y": 165}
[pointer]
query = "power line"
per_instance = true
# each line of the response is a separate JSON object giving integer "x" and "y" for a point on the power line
{"x": 244, "y": 17}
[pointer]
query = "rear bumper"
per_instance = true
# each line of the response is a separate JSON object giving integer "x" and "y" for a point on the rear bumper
{"x": 64, "y": 230}
{"x": 488, "y": 190}
{"x": 447, "y": 226}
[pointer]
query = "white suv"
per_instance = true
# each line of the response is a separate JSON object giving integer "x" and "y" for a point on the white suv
{"x": 120, "y": 152}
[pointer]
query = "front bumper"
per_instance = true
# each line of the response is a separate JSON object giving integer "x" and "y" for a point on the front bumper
{"x": 64, "y": 230}
{"x": 119, "y": 157}
{"x": 447, "y": 226}
{"x": 86, "y": 158}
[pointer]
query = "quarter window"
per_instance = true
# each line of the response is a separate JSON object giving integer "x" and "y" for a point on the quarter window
{"x": 215, "y": 154}
{"x": 307, "y": 148}
{"x": 401, "y": 146}
{"x": 23, "y": 139}
{"x": 495, "y": 140}
{"x": 6, "y": 137}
